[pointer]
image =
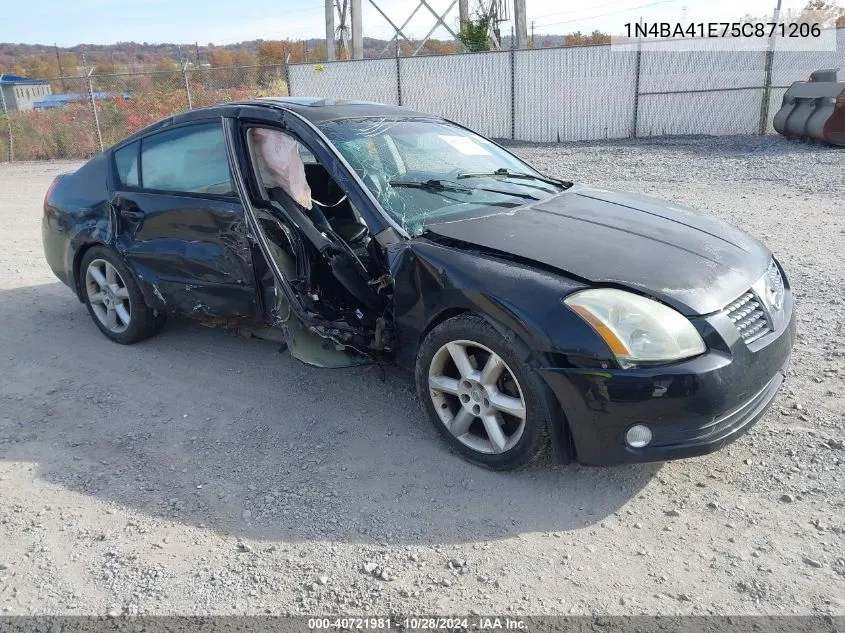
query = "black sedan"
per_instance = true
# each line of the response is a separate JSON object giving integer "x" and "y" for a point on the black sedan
{"x": 618, "y": 328}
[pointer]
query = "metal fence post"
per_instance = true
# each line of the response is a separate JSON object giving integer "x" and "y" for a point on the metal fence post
{"x": 636, "y": 122}
{"x": 767, "y": 91}
{"x": 398, "y": 77}
{"x": 513, "y": 91}
{"x": 8, "y": 122}
{"x": 767, "y": 82}
{"x": 187, "y": 86}
{"x": 94, "y": 110}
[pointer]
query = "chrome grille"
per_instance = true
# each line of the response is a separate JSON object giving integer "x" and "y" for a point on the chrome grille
{"x": 775, "y": 285}
{"x": 749, "y": 317}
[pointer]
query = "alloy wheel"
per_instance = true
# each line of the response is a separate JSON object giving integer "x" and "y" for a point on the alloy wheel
{"x": 108, "y": 296}
{"x": 477, "y": 397}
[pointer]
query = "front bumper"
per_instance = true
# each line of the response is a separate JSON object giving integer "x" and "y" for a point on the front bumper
{"x": 693, "y": 408}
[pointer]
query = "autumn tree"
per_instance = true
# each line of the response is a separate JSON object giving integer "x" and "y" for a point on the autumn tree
{"x": 441, "y": 47}
{"x": 220, "y": 57}
{"x": 166, "y": 64}
{"x": 574, "y": 39}
{"x": 42, "y": 66}
{"x": 243, "y": 58}
{"x": 597, "y": 37}
{"x": 275, "y": 52}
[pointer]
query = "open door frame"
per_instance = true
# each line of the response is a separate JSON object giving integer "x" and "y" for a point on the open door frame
{"x": 369, "y": 341}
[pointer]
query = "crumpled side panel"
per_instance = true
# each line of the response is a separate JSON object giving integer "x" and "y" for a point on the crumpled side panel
{"x": 431, "y": 281}
{"x": 190, "y": 255}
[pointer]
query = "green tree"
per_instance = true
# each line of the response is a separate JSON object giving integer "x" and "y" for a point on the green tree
{"x": 474, "y": 33}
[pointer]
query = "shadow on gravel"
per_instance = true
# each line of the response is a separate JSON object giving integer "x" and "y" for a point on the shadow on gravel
{"x": 208, "y": 429}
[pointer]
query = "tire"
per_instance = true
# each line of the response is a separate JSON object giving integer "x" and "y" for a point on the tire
{"x": 116, "y": 306}
{"x": 450, "y": 397}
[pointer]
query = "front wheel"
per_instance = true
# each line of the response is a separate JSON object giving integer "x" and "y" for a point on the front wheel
{"x": 485, "y": 402}
{"x": 114, "y": 300}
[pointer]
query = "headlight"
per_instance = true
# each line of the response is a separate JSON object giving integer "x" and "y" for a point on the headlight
{"x": 637, "y": 330}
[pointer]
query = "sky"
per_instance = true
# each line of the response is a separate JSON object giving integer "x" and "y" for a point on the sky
{"x": 70, "y": 22}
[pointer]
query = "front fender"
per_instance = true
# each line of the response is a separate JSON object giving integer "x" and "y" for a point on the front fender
{"x": 432, "y": 280}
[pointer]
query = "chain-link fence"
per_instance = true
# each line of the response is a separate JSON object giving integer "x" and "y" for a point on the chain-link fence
{"x": 543, "y": 95}
{"x": 86, "y": 114}
{"x": 582, "y": 93}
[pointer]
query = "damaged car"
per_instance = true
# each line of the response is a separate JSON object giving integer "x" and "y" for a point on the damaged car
{"x": 531, "y": 310}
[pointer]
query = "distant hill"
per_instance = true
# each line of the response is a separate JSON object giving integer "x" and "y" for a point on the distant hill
{"x": 42, "y": 60}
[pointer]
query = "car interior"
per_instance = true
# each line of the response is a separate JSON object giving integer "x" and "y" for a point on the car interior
{"x": 336, "y": 288}
{"x": 334, "y": 204}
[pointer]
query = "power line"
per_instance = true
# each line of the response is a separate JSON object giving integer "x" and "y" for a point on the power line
{"x": 601, "y": 15}
{"x": 571, "y": 11}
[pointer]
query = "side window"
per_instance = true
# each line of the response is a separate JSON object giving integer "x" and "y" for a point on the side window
{"x": 126, "y": 161}
{"x": 190, "y": 159}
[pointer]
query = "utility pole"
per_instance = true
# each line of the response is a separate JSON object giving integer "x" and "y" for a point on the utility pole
{"x": 463, "y": 11}
{"x": 329, "y": 30}
{"x": 61, "y": 72}
{"x": 520, "y": 24}
{"x": 197, "y": 49}
{"x": 531, "y": 44}
{"x": 357, "y": 30}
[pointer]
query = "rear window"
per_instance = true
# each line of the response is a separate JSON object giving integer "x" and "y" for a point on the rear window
{"x": 190, "y": 159}
{"x": 126, "y": 161}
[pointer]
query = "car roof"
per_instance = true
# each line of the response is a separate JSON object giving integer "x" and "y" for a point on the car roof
{"x": 319, "y": 110}
{"x": 314, "y": 109}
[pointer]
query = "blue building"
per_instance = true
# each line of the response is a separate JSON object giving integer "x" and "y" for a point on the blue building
{"x": 21, "y": 93}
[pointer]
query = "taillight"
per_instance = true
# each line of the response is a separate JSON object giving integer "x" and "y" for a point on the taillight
{"x": 50, "y": 190}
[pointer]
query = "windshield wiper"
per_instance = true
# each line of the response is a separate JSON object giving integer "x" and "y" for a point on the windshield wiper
{"x": 506, "y": 173}
{"x": 446, "y": 185}
{"x": 442, "y": 185}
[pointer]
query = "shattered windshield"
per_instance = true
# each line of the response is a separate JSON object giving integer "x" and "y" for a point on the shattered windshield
{"x": 426, "y": 170}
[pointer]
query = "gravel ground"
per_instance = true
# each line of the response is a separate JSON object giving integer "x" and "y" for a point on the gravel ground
{"x": 201, "y": 473}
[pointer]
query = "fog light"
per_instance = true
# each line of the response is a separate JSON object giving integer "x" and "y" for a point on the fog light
{"x": 638, "y": 436}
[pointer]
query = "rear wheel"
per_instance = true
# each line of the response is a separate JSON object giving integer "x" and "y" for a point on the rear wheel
{"x": 489, "y": 405}
{"x": 114, "y": 300}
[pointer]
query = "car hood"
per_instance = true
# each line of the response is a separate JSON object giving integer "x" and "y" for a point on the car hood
{"x": 691, "y": 261}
